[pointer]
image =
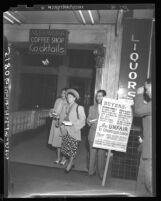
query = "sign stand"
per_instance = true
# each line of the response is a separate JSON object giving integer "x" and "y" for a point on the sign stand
{"x": 113, "y": 128}
{"x": 106, "y": 167}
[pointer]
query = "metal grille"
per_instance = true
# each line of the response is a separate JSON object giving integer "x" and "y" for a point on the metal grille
{"x": 126, "y": 165}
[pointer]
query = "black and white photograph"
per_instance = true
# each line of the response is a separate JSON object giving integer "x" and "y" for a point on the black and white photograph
{"x": 78, "y": 82}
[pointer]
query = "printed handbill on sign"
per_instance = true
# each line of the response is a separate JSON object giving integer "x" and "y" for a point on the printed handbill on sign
{"x": 114, "y": 125}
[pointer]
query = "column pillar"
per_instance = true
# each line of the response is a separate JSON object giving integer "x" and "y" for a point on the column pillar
{"x": 100, "y": 57}
{"x": 98, "y": 82}
{"x": 111, "y": 68}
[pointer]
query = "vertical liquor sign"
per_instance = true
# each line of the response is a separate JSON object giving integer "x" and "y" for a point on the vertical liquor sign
{"x": 134, "y": 56}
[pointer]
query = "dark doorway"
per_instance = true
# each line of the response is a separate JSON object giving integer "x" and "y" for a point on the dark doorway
{"x": 85, "y": 88}
{"x": 37, "y": 91}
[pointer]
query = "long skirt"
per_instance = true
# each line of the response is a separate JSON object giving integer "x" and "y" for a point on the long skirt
{"x": 55, "y": 138}
{"x": 69, "y": 146}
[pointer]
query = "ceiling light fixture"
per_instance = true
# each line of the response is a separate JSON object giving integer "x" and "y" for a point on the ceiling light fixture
{"x": 12, "y": 17}
{"x": 90, "y": 14}
{"x": 20, "y": 16}
{"x": 81, "y": 14}
{"x": 8, "y": 19}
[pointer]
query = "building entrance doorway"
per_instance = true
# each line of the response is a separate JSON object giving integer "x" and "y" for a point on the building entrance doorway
{"x": 37, "y": 91}
{"x": 86, "y": 90}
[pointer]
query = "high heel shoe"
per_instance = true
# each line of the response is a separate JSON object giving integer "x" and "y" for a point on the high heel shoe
{"x": 67, "y": 171}
{"x": 63, "y": 162}
{"x": 57, "y": 161}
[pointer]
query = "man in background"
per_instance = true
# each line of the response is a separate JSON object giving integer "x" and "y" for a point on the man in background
{"x": 95, "y": 153}
{"x": 142, "y": 108}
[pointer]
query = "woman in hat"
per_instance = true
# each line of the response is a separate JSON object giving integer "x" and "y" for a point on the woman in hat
{"x": 55, "y": 137}
{"x": 73, "y": 122}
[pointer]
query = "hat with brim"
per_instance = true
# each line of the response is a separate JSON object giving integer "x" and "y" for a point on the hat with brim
{"x": 74, "y": 92}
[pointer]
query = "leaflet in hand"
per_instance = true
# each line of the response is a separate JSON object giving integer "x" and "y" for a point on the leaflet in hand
{"x": 93, "y": 120}
{"x": 67, "y": 123}
{"x": 54, "y": 113}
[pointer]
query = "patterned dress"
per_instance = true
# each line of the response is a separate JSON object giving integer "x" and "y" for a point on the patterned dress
{"x": 69, "y": 144}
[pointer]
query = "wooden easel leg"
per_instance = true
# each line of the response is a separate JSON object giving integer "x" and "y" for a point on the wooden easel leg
{"x": 106, "y": 167}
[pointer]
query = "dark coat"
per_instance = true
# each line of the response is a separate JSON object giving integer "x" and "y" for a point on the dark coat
{"x": 93, "y": 114}
{"x": 143, "y": 110}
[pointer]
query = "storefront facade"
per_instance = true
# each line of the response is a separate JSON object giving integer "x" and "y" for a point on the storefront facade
{"x": 113, "y": 67}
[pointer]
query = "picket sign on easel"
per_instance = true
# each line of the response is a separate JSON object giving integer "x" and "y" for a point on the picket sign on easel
{"x": 113, "y": 127}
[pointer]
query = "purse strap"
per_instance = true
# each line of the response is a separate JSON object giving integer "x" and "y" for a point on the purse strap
{"x": 77, "y": 112}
